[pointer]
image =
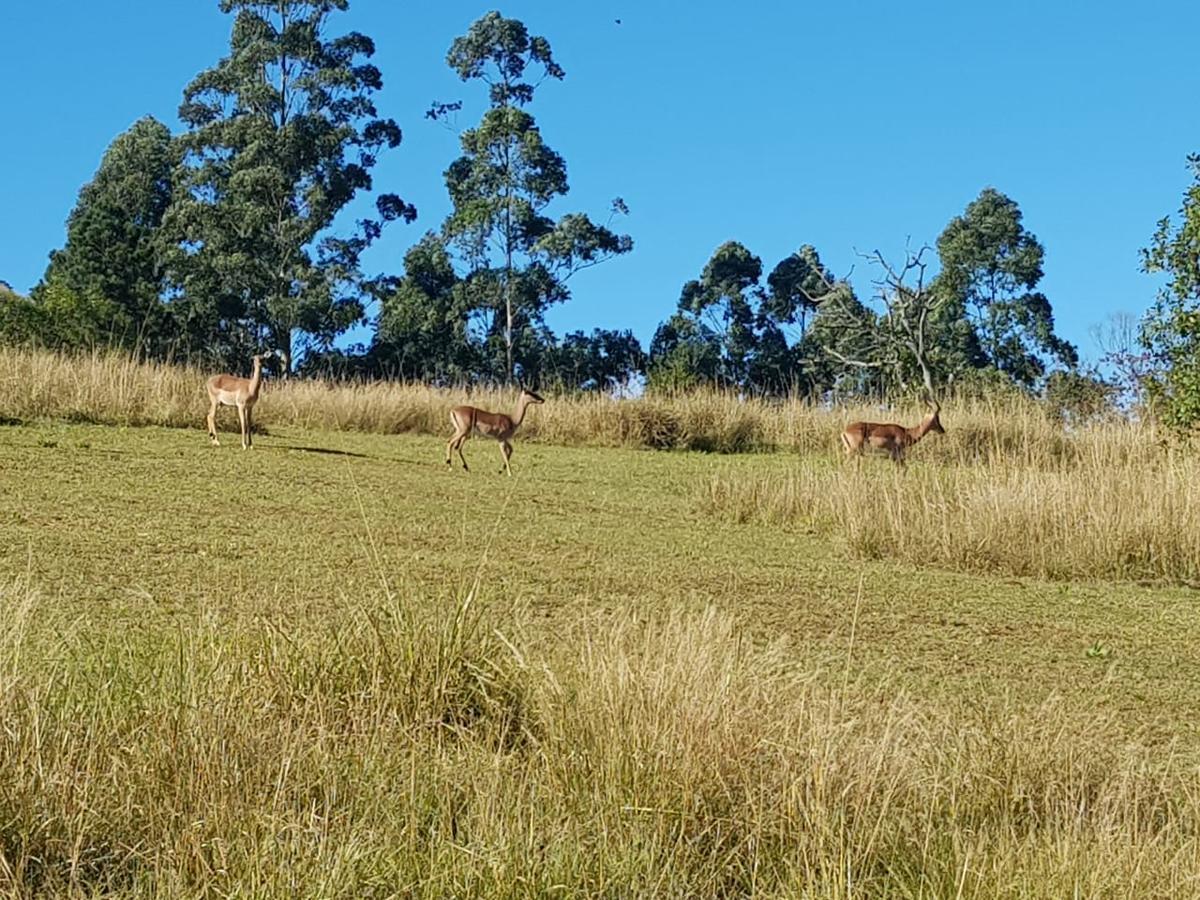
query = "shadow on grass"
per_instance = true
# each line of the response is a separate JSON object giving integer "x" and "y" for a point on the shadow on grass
{"x": 329, "y": 451}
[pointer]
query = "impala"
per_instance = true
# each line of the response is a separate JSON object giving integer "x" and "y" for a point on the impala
{"x": 229, "y": 390}
{"x": 468, "y": 419}
{"x": 892, "y": 439}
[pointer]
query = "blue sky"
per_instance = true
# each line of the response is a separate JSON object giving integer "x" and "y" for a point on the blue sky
{"x": 851, "y": 125}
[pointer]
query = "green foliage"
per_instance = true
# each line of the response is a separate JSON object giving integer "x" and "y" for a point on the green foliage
{"x": 605, "y": 360}
{"x": 422, "y": 327}
{"x": 113, "y": 245}
{"x": 724, "y": 299}
{"x": 990, "y": 268}
{"x": 22, "y": 322}
{"x": 516, "y": 257}
{"x": 1171, "y": 329}
{"x": 684, "y": 354}
{"x": 731, "y": 330}
{"x": 1078, "y": 397}
{"x": 282, "y": 135}
{"x": 60, "y": 317}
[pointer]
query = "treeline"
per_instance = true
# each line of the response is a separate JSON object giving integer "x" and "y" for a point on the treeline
{"x": 219, "y": 241}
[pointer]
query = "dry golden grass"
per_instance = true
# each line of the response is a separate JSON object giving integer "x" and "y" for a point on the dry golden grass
{"x": 109, "y": 389}
{"x": 1106, "y": 504}
{"x": 428, "y": 749}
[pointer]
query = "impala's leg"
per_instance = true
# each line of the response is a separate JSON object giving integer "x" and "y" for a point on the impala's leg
{"x": 506, "y": 452}
{"x": 249, "y": 426}
{"x": 456, "y": 444}
{"x": 242, "y": 421}
{"x": 462, "y": 440}
{"x": 212, "y": 423}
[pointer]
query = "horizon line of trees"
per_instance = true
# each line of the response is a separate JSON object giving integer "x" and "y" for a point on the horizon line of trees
{"x": 224, "y": 240}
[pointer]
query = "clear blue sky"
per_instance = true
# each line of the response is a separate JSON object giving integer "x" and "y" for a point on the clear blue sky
{"x": 841, "y": 124}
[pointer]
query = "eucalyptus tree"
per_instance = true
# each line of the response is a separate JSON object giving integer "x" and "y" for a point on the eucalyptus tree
{"x": 990, "y": 268}
{"x": 516, "y": 257}
{"x": 282, "y": 134}
{"x": 725, "y": 299}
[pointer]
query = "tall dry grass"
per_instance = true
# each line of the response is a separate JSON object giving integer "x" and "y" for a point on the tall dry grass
{"x": 418, "y": 750}
{"x": 110, "y": 389}
{"x": 1112, "y": 508}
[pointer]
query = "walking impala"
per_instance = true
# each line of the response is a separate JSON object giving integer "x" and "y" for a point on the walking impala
{"x": 229, "y": 390}
{"x": 892, "y": 439}
{"x": 468, "y": 419}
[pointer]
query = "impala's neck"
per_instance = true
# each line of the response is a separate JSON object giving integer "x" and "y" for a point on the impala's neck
{"x": 519, "y": 416}
{"x": 923, "y": 429}
{"x": 256, "y": 378}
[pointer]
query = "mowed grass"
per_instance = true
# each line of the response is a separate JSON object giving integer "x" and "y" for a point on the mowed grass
{"x": 331, "y": 667}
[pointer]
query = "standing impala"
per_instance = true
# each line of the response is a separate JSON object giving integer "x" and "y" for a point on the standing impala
{"x": 229, "y": 390}
{"x": 892, "y": 439}
{"x": 468, "y": 419}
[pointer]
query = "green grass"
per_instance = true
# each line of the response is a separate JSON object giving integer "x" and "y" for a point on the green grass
{"x": 299, "y": 662}
{"x": 153, "y": 525}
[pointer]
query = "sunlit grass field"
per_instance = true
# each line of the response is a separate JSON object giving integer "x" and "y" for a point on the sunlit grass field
{"x": 332, "y": 667}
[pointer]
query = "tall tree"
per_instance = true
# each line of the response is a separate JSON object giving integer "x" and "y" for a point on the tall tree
{"x": 991, "y": 266}
{"x": 725, "y": 298}
{"x": 113, "y": 239}
{"x": 1171, "y": 328}
{"x": 517, "y": 257}
{"x": 282, "y": 135}
{"x": 787, "y": 356}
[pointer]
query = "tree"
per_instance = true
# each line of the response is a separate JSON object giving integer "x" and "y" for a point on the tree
{"x": 684, "y": 353}
{"x": 788, "y": 357}
{"x": 517, "y": 258}
{"x": 422, "y": 328}
{"x": 1171, "y": 328}
{"x": 990, "y": 268}
{"x": 1078, "y": 398}
{"x": 751, "y": 337}
{"x": 57, "y": 316}
{"x": 605, "y": 360}
{"x": 113, "y": 239}
{"x": 724, "y": 299}
{"x": 1127, "y": 364}
{"x": 282, "y": 135}
{"x": 897, "y": 345}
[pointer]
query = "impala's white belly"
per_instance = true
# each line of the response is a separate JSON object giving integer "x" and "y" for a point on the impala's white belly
{"x": 226, "y": 398}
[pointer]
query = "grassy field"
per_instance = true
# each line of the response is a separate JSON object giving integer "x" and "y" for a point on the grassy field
{"x": 331, "y": 667}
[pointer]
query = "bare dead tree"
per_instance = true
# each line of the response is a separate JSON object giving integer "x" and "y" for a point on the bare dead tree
{"x": 898, "y": 338}
{"x": 1122, "y": 355}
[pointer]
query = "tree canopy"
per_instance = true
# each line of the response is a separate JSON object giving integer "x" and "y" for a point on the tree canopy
{"x": 281, "y": 135}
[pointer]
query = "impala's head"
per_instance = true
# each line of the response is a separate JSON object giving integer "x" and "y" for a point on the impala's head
{"x": 530, "y": 397}
{"x": 935, "y": 423}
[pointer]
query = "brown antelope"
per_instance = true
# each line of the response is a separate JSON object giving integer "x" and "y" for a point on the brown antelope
{"x": 892, "y": 439}
{"x": 468, "y": 419}
{"x": 229, "y": 390}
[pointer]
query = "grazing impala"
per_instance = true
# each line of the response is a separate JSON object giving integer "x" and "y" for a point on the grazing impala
{"x": 892, "y": 439}
{"x": 468, "y": 419}
{"x": 229, "y": 390}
